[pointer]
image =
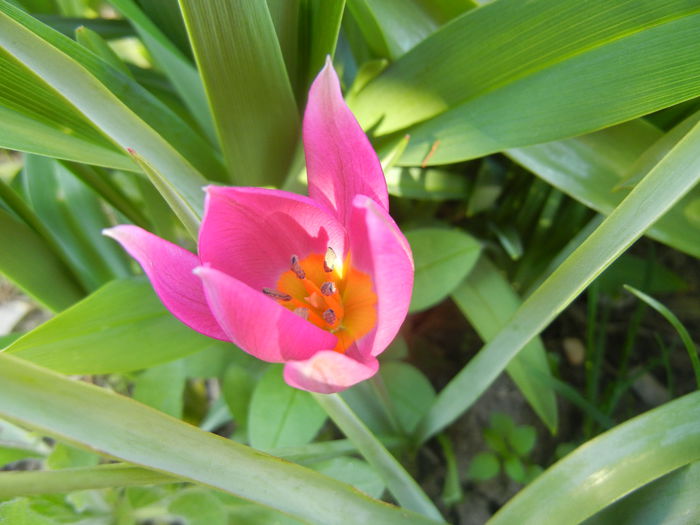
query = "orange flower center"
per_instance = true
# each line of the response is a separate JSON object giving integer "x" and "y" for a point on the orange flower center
{"x": 334, "y": 297}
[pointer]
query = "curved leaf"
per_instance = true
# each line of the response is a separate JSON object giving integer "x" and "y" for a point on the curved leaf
{"x": 122, "y": 428}
{"x": 610, "y": 466}
{"x": 513, "y": 73}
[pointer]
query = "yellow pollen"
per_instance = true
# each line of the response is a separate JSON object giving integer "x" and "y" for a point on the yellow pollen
{"x": 338, "y": 298}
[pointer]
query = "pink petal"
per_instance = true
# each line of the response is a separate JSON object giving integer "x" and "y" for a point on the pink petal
{"x": 169, "y": 268}
{"x": 340, "y": 161}
{"x": 327, "y": 372}
{"x": 251, "y": 233}
{"x": 258, "y": 324}
{"x": 379, "y": 248}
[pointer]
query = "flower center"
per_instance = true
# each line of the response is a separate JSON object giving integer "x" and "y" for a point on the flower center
{"x": 333, "y": 296}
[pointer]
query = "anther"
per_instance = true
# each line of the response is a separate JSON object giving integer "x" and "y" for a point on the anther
{"x": 328, "y": 288}
{"x": 329, "y": 260}
{"x": 276, "y": 294}
{"x": 302, "y": 312}
{"x": 329, "y": 316}
{"x": 296, "y": 267}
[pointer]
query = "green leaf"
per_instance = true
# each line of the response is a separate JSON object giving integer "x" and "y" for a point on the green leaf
{"x": 244, "y": 75}
{"x": 19, "y": 512}
{"x": 179, "y": 70}
{"x": 483, "y": 466}
{"x": 121, "y": 327}
{"x": 67, "y": 456}
{"x": 354, "y": 471}
{"x": 410, "y": 393}
{"x": 325, "y": 16}
{"x": 108, "y": 28}
{"x": 164, "y": 141}
{"x": 30, "y": 483}
{"x": 513, "y": 73}
{"x": 442, "y": 259}
{"x": 501, "y": 423}
{"x": 610, "y": 466}
{"x": 672, "y": 498}
{"x": 162, "y": 387}
{"x": 95, "y": 43}
{"x": 392, "y": 28}
{"x": 660, "y": 189}
{"x": 16, "y": 444}
{"x": 487, "y": 300}
{"x": 426, "y": 184}
{"x": 98, "y": 419}
{"x": 75, "y": 218}
{"x": 198, "y": 507}
{"x": 590, "y": 169}
{"x": 34, "y": 267}
{"x": 237, "y": 388}
{"x": 399, "y": 482}
{"x": 45, "y": 123}
{"x": 282, "y": 416}
{"x": 186, "y": 209}
{"x": 522, "y": 439}
{"x": 514, "y": 468}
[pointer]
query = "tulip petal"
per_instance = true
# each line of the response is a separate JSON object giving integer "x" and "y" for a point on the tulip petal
{"x": 379, "y": 248}
{"x": 169, "y": 269}
{"x": 340, "y": 161}
{"x": 258, "y": 324}
{"x": 251, "y": 233}
{"x": 327, "y": 372}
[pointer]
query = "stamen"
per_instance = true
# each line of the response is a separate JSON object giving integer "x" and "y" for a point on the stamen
{"x": 296, "y": 267}
{"x": 328, "y": 288}
{"x": 276, "y": 294}
{"x": 329, "y": 260}
{"x": 302, "y": 312}
{"x": 329, "y": 316}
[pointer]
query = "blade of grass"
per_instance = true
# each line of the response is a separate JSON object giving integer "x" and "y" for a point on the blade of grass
{"x": 676, "y": 323}
{"x": 660, "y": 189}
{"x": 122, "y": 428}
{"x": 402, "y": 486}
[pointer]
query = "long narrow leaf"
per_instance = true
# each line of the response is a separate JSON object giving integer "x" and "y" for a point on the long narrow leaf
{"x": 591, "y": 168}
{"x": 36, "y": 119}
{"x": 176, "y": 66}
{"x": 403, "y": 487}
{"x": 668, "y": 182}
{"x": 610, "y": 466}
{"x": 30, "y": 264}
{"x": 21, "y": 483}
{"x": 125, "y": 429}
{"x": 670, "y": 499}
{"x": 488, "y": 301}
{"x": 92, "y": 98}
{"x": 244, "y": 75}
{"x": 513, "y": 73}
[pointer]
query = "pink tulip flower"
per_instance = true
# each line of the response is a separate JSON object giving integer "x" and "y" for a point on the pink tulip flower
{"x": 320, "y": 283}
